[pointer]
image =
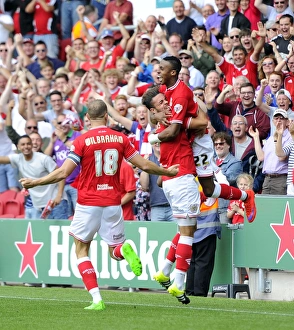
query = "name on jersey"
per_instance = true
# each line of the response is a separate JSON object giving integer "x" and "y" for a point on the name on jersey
{"x": 104, "y": 186}
{"x": 103, "y": 139}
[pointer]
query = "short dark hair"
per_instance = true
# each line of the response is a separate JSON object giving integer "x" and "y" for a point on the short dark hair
{"x": 147, "y": 98}
{"x": 240, "y": 48}
{"x": 247, "y": 84}
{"x": 41, "y": 42}
{"x": 79, "y": 73}
{"x": 62, "y": 75}
{"x": 174, "y": 62}
{"x": 287, "y": 16}
{"x": 245, "y": 32}
{"x": 23, "y": 137}
{"x": 55, "y": 92}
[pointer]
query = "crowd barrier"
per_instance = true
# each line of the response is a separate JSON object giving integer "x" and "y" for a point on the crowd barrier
{"x": 37, "y": 251}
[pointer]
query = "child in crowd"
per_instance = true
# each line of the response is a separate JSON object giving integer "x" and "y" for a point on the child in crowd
{"x": 236, "y": 208}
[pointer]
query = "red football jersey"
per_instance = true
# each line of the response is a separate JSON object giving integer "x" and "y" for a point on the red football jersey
{"x": 249, "y": 70}
{"x": 100, "y": 152}
{"x": 43, "y": 19}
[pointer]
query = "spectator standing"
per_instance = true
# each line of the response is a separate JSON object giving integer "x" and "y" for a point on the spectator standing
{"x": 125, "y": 10}
{"x": 69, "y": 16}
{"x": 45, "y": 24}
{"x": 36, "y": 165}
{"x": 273, "y": 13}
{"x": 181, "y": 24}
{"x": 84, "y": 28}
{"x": 6, "y": 26}
{"x": 213, "y": 22}
{"x": 274, "y": 168}
{"x": 283, "y": 40}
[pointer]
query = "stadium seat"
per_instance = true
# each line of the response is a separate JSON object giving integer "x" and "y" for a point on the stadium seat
{"x": 21, "y": 216}
{"x": 12, "y": 207}
{"x": 1, "y": 207}
{"x": 7, "y": 215}
{"x": 8, "y": 194}
{"x": 21, "y": 199}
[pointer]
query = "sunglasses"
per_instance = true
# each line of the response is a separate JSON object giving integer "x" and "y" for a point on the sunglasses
{"x": 41, "y": 50}
{"x": 198, "y": 94}
{"x": 273, "y": 29}
{"x": 268, "y": 63}
{"x": 219, "y": 144}
{"x": 184, "y": 57}
{"x": 279, "y": 2}
{"x": 3, "y": 50}
{"x": 32, "y": 127}
{"x": 41, "y": 102}
{"x": 235, "y": 36}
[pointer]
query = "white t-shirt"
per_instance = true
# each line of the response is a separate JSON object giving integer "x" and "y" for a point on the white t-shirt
{"x": 4, "y": 33}
{"x": 39, "y": 166}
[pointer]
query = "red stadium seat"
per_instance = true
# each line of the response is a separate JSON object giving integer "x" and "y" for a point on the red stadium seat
{"x": 1, "y": 207}
{"x": 8, "y": 194}
{"x": 12, "y": 207}
{"x": 21, "y": 199}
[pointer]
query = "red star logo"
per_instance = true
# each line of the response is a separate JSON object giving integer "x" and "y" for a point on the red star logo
{"x": 285, "y": 233}
{"x": 28, "y": 249}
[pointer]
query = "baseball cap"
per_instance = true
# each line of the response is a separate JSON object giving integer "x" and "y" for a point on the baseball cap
{"x": 185, "y": 51}
{"x": 145, "y": 36}
{"x": 106, "y": 33}
{"x": 28, "y": 40}
{"x": 281, "y": 112}
{"x": 284, "y": 92}
{"x": 269, "y": 24}
{"x": 156, "y": 58}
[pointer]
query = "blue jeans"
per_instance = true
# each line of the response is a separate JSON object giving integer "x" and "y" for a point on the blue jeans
{"x": 72, "y": 196}
{"x": 58, "y": 213}
{"x": 162, "y": 213}
{"x": 69, "y": 16}
{"x": 8, "y": 177}
{"x": 32, "y": 213}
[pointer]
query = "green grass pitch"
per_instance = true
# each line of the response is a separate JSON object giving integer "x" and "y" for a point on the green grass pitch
{"x": 62, "y": 308}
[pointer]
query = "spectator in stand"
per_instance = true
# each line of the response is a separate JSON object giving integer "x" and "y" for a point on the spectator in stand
{"x": 247, "y": 41}
{"x": 45, "y": 24}
{"x": 274, "y": 13}
{"x": 246, "y": 107}
{"x": 36, "y": 165}
{"x": 100, "y": 5}
{"x": 92, "y": 55}
{"x": 142, "y": 45}
{"x": 236, "y": 208}
{"x": 266, "y": 66}
{"x": 59, "y": 148}
{"x": 193, "y": 9}
{"x": 41, "y": 57}
{"x": 285, "y": 151}
{"x": 107, "y": 44}
{"x": 272, "y": 29}
{"x": 75, "y": 54}
{"x": 160, "y": 208}
{"x": 31, "y": 126}
{"x": 25, "y": 48}
{"x": 212, "y": 83}
{"x": 128, "y": 190}
{"x": 227, "y": 50}
{"x": 201, "y": 60}
{"x": 84, "y": 28}
{"x": 69, "y": 16}
{"x": 111, "y": 79}
{"x": 196, "y": 77}
{"x": 289, "y": 73}
{"x": 181, "y": 24}
{"x": 184, "y": 75}
{"x": 251, "y": 12}
{"x": 125, "y": 10}
{"x": 8, "y": 174}
{"x": 230, "y": 167}
{"x": 43, "y": 87}
{"x": 234, "y": 19}
{"x": 235, "y": 37}
{"x": 283, "y": 101}
{"x": 207, "y": 10}
{"x": 22, "y": 21}
{"x": 274, "y": 168}
{"x": 242, "y": 65}
{"x": 213, "y": 22}
{"x": 283, "y": 40}
{"x": 6, "y": 26}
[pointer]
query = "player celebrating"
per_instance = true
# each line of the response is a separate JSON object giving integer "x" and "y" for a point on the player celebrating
{"x": 100, "y": 152}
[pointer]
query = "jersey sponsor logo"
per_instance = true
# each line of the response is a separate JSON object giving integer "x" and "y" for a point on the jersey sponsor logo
{"x": 118, "y": 237}
{"x": 72, "y": 148}
{"x": 61, "y": 155}
{"x": 104, "y": 186}
{"x": 178, "y": 108}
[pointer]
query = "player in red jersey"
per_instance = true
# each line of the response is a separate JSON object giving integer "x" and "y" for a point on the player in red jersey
{"x": 182, "y": 104}
{"x": 100, "y": 152}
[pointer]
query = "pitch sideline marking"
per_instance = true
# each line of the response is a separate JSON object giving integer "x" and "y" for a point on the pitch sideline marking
{"x": 150, "y": 305}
